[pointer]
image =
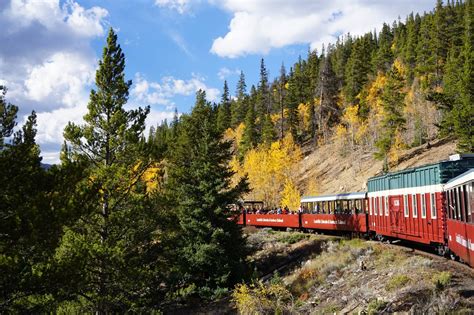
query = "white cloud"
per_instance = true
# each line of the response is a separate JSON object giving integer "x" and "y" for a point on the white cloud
{"x": 47, "y": 62}
{"x": 63, "y": 78}
{"x": 162, "y": 93}
{"x": 258, "y": 26}
{"x": 181, "y": 6}
{"x": 225, "y": 72}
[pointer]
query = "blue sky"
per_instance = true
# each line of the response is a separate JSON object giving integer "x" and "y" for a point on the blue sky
{"x": 49, "y": 48}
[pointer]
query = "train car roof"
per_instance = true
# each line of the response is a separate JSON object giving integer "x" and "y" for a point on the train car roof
{"x": 345, "y": 196}
{"x": 461, "y": 179}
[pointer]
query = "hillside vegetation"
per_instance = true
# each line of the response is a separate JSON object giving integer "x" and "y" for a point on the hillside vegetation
{"x": 356, "y": 276}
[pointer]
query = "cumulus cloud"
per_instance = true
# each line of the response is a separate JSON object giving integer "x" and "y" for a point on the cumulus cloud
{"x": 161, "y": 93}
{"x": 258, "y": 26}
{"x": 47, "y": 62}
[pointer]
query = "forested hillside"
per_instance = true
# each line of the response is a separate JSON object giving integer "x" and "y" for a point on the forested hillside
{"x": 408, "y": 84}
{"x": 129, "y": 222}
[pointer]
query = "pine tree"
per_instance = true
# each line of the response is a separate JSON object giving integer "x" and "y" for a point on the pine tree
{"x": 281, "y": 88}
{"x": 413, "y": 29}
{"x": 213, "y": 251}
{"x": 238, "y": 109}
{"x": 224, "y": 112}
{"x": 249, "y": 138}
{"x": 425, "y": 59}
{"x": 384, "y": 56}
{"x": 293, "y": 100}
{"x": 100, "y": 253}
{"x": 393, "y": 120}
{"x": 357, "y": 69}
{"x": 263, "y": 97}
{"x": 464, "y": 110}
{"x": 327, "y": 111}
{"x": 268, "y": 130}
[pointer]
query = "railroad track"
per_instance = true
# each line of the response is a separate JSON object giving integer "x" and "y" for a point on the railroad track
{"x": 412, "y": 248}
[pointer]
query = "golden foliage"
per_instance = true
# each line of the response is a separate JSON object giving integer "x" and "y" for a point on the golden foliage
{"x": 290, "y": 196}
{"x": 275, "y": 118}
{"x": 303, "y": 113}
{"x": 268, "y": 168}
{"x": 259, "y": 298}
{"x": 151, "y": 177}
{"x": 401, "y": 67}
{"x": 312, "y": 188}
{"x": 235, "y": 135}
{"x": 396, "y": 149}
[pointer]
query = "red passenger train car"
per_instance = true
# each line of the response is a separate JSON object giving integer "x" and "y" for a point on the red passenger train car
{"x": 410, "y": 204}
{"x": 431, "y": 204}
{"x": 460, "y": 216}
{"x": 341, "y": 212}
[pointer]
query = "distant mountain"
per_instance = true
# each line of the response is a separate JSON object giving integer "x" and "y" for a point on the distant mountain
{"x": 46, "y": 166}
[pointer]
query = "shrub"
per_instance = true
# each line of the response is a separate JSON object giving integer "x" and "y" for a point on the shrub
{"x": 375, "y": 306}
{"x": 304, "y": 280}
{"x": 258, "y": 298}
{"x": 441, "y": 280}
{"x": 397, "y": 282}
{"x": 293, "y": 238}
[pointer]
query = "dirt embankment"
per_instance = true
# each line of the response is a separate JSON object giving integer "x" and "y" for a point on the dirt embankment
{"x": 355, "y": 276}
{"x": 332, "y": 172}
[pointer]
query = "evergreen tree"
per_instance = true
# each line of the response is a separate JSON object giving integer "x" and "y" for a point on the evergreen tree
{"x": 224, "y": 112}
{"x": 393, "y": 120}
{"x": 282, "y": 98}
{"x": 293, "y": 100}
{"x": 101, "y": 253}
{"x": 464, "y": 110}
{"x": 268, "y": 131}
{"x": 263, "y": 97}
{"x": 413, "y": 29}
{"x": 238, "y": 110}
{"x": 212, "y": 254}
{"x": 249, "y": 138}
{"x": 384, "y": 56}
{"x": 327, "y": 112}
{"x": 7, "y": 117}
{"x": 357, "y": 69}
{"x": 440, "y": 40}
{"x": 425, "y": 59}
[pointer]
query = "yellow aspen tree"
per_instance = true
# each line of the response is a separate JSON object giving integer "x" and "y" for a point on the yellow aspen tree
{"x": 290, "y": 196}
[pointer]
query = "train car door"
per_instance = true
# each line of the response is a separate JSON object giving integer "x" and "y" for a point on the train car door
{"x": 397, "y": 221}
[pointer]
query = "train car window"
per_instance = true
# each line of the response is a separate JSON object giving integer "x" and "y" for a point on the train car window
{"x": 371, "y": 205}
{"x": 471, "y": 200}
{"x": 414, "y": 206}
{"x": 433, "y": 206}
{"x": 386, "y": 206}
{"x": 381, "y": 205}
{"x": 457, "y": 204}
{"x": 423, "y": 206}
{"x": 405, "y": 206}
{"x": 466, "y": 213}
{"x": 454, "y": 212}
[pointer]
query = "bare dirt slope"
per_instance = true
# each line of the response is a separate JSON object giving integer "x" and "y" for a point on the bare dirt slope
{"x": 333, "y": 173}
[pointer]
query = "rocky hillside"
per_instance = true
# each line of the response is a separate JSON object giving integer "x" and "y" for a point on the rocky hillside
{"x": 326, "y": 171}
{"x": 355, "y": 276}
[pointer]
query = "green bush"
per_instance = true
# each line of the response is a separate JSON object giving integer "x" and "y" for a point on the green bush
{"x": 441, "y": 279}
{"x": 375, "y": 306}
{"x": 397, "y": 282}
{"x": 293, "y": 238}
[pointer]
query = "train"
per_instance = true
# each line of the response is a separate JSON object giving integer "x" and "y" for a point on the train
{"x": 431, "y": 205}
